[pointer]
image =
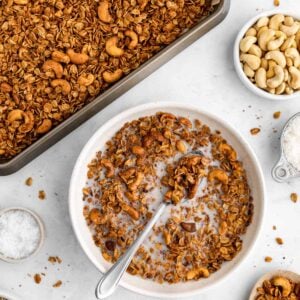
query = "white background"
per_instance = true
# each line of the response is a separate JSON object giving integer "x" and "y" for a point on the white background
{"x": 202, "y": 75}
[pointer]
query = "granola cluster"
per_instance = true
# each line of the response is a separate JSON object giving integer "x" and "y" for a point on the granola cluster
{"x": 278, "y": 288}
{"x": 154, "y": 159}
{"x": 57, "y": 55}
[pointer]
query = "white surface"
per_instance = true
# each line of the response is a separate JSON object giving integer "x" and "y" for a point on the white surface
{"x": 202, "y": 75}
{"x": 240, "y": 72}
{"x": 98, "y": 143}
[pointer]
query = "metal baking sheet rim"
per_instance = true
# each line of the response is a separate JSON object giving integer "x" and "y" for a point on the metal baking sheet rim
{"x": 115, "y": 91}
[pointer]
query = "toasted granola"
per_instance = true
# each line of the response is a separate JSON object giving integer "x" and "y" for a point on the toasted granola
{"x": 141, "y": 166}
{"x": 56, "y": 56}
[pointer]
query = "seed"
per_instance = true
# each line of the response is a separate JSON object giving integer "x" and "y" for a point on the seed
{"x": 277, "y": 115}
{"x": 42, "y": 195}
{"x": 37, "y": 278}
{"x": 276, "y": 2}
{"x": 189, "y": 227}
{"x": 254, "y": 131}
{"x": 29, "y": 181}
{"x": 279, "y": 241}
{"x": 294, "y": 197}
{"x": 268, "y": 259}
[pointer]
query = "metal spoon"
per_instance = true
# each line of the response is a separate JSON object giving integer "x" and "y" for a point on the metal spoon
{"x": 110, "y": 280}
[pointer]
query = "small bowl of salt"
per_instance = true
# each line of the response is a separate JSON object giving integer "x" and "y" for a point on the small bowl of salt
{"x": 288, "y": 166}
{"x": 21, "y": 234}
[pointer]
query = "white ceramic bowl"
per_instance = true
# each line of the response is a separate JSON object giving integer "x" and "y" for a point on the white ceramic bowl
{"x": 236, "y": 57}
{"x": 97, "y": 142}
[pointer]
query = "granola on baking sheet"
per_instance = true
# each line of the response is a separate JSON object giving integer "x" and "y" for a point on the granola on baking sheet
{"x": 145, "y": 163}
{"x": 56, "y": 56}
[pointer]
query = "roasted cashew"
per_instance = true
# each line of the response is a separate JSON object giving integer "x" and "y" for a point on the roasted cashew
{"x": 111, "y": 47}
{"x": 218, "y": 174}
{"x": 132, "y": 212}
{"x": 261, "y": 78}
{"x": 111, "y": 77}
{"x": 265, "y": 37}
{"x": 251, "y": 32}
{"x": 15, "y": 115}
{"x": 110, "y": 170}
{"x": 228, "y": 151}
{"x": 255, "y": 50}
{"x": 284, "y": 283}
{"x": 247, "y": 42}
{"x": 77, "y": 58}
{"x": 290, "y": 30}
{"x": 60, "y": 57}
{"x": 5, "y": 87}
{"x": 103, "y": 12}
{"x": 288, "y": 43}
{"x": 85, "y": 80}
{"x": 279, "y": 90}
{"x": 134, "y": 38}
{"x": 135, "y": 184}
{"x": 277, "y": 80}
{"x": 276, "y": 21}
{"x": 263, "y": 21}
{"x": 197, "y": 272}
{"x": 277, "y": 56}
{"x": 248, "y": 71}
{"x": 54, "y": 66}
{"x": 18, "y": 115}
{"x": 295, "y": 78}
{"x": 294, "y": 55}
{"x": 252, "y": 60}
{"x": 45, "y": 126}
{"x": 64, "y": 84}
{"x": 138, "y": 150}
{"x": 275, "y": 44}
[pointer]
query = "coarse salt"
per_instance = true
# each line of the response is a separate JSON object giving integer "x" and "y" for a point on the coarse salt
{"x": 19, "y": 234}
{"x": 291, "y": 143}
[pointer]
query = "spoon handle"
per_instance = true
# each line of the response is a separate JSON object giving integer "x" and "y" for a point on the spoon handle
{"x": 111, "y": 278}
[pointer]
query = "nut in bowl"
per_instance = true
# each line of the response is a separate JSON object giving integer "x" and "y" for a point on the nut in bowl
{"x": 266, "y": 55}
{"x": 104, "y": 247}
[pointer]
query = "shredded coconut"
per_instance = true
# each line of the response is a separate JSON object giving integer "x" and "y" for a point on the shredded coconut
{"x": 291, "y": 143}
{"x": 19, "y": 234}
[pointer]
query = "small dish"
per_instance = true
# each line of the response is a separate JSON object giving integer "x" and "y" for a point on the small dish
{"x": 42, "y": 234}
{"x": 98, "y": 142}
{"x": 283, "y": 169}
{"x": 236, "y": 57}
{"x": 283, "y": 273}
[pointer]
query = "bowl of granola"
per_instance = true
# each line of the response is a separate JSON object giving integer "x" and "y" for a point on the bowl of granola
{"x": 131, "y": 164}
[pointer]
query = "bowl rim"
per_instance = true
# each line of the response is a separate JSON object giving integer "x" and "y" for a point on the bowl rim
{"x": 236, "y": 56}
{"x": 42, "y": 233}
{"x": 165, "y": 106}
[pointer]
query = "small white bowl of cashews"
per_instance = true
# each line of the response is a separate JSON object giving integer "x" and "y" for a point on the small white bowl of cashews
{"x": 267, "y": 55}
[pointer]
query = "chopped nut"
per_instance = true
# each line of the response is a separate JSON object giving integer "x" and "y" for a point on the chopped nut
{"x": 279, "y": 241}
{"x": 57, "y": 284}
{"x": 277, "y": 115}
{"x": 189, "y": 227}
{"x": 276, "y": 2}
{"x": 37, "y": 278}
{"x": 29, "y": 181}
{"x": 268, "y": 259}
{"x": 294, "y": 197}
{"x": 254, "y": 131}
{"x": 42, "y": 195}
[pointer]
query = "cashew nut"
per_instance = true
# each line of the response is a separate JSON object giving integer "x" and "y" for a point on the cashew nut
{"x": 265, "y": 37}
{"x": 276, "y": 21}
{"x": 297, "y": 40}
{"x": 112, "y": 48}
{"x": 18, "y": 115}
{"x": 60, "y": 57}
{"x": 85, "y": 80}
{"x": 289, "y": 90}
{"x": 64, "y": 84}
{"x": 275, "y": 44}
{"x": 255, "y": 50}
{"x": 285, "y": 285}
{"x": 111, "y": 77}
{"x": 279, "y": 90}
{"x": 248, "y": 71}
{"x": 264, "y": 64}
{"x": 261, "y": 30}
{"x": 286, "y": 75}
{"x": 103, "y": 12}
{"x": 228, "y": 151}
{"x": 288, "y": 43}
{"x": 110, "y": 170}
{"x": 5, "y": 87}
{"x": 277, "y": 56}
{"x": 218, "y": 174}
{"x": 54, "y": 66}
{"x": 263, "y": 21}
{"x": 197, "y": 272}
{"x": 295, "y": 78}
{"x": 290, "y": 30}
{"x": 132, "y": 212}
{"x": 252, "y": 60}
{"x": 270, "y": 71}
{"x": 247, "y": 42}
{"x": 134, "y": 39}
{"x": 251, "y": 32}
{"x": 77, "y": 58}
{"x": 261, "y": 78}
{"x": 294, "y": 55}
{"x": 289, "y": 21}
{"x": 15, "y": 115}
{"x": 45, "y": 126}
{"x": 277, "y": 80}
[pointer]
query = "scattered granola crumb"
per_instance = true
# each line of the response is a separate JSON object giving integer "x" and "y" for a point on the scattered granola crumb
{"x": 277, "y": 115}
{"x": 268, "y": 259}
{"x": 42, "y": 195}
{"x": 57, "y": 284}
{"x": 294, "y": 197}
{"x": 279, "y": 241}
{"x": 254, "y": 131}
{"x": 28, "y": 181}
{"x": 54, "y": 259}
{"x": 274, "y": 227}
{"x": 37, "y": 278}
{"x": 276, "y": 2}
